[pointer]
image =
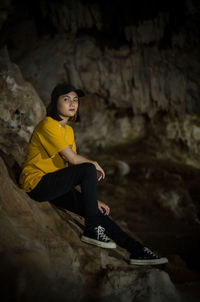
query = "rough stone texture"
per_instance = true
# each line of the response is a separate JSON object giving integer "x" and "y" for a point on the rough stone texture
{"x": 101, "y": 127}
{"x": 20, "y": 109}
{"x": 42, "y": 256}
{"x": 154, "y": 68}
{"x": 179, "y": 136}
{"x": 141, "y": 78}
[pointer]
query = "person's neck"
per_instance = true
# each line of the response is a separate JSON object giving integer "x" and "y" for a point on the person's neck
{"x": 64, "y": 121}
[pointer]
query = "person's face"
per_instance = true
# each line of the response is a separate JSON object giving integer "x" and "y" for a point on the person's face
{"x": 67, "y": 104}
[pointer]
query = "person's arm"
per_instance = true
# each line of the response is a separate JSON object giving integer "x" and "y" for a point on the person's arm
{"x": 75, "y": 159}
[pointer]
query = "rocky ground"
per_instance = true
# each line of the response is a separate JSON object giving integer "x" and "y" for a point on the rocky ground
{"x": 157, "y": 199}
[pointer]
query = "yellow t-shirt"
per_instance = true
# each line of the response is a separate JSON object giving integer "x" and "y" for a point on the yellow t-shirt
{"x": 43, "y": 157}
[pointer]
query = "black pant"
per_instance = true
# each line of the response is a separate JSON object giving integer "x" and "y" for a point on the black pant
{"x": 58, "y": 188}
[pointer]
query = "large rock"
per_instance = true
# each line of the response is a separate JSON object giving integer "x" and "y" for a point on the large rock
{"x": 179, "y": 138}
{"x": 42, "y": 257}
{"x": 20, "y": 109}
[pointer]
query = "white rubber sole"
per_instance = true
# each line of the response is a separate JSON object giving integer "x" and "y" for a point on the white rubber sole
{"x": 109, "y": 245}
{"x": 149, "y": 262}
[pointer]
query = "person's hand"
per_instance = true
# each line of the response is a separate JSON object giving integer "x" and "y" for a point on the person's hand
{"x": 100, "y": 171}
{"x": 103, "y": 208}
{"x": 99, "y": 175}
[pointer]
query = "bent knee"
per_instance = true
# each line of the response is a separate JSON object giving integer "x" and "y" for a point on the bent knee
{"x": 89, "y": 168}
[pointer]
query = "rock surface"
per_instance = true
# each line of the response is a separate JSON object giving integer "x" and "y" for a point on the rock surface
{"x": 20, "y": 109}
{"x": 141, "y": 78}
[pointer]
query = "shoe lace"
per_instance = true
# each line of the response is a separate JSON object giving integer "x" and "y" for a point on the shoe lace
{"x": 100, "y": 233}
{"x": 149, "y": 252}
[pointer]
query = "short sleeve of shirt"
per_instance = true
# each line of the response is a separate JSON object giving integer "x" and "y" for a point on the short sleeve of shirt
{"x": 53, "y": 137}
{"x": 73, "y": 144}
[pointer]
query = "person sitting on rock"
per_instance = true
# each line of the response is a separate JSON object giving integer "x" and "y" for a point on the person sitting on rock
{"x": 53, "y": 169}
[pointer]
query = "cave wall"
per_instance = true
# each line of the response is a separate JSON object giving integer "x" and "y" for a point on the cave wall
{"x": 137, "y": 61}
{"x": 139, "y": 56}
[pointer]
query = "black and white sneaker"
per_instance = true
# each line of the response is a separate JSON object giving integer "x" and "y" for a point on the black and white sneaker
{"x": 146, "y": 257}
{"x": 98, "y": 237}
